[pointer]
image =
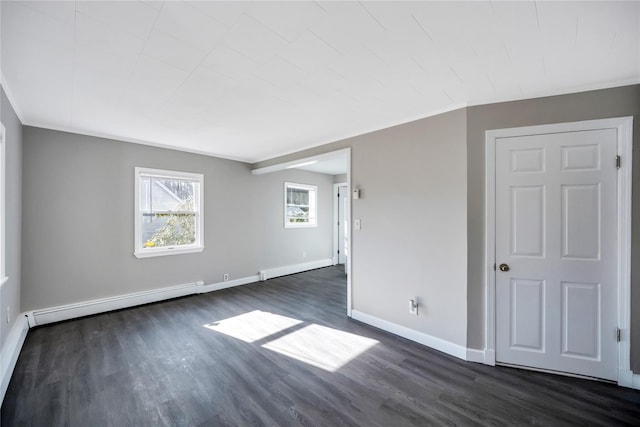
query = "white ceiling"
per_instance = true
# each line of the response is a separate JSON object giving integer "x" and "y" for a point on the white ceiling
{"x": 253, "y": 80}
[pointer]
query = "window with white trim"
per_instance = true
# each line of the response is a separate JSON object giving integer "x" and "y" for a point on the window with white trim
{"x": 3, "y": 252}
{"x": 300, "y": 205}
{"x": 168, "y": 209}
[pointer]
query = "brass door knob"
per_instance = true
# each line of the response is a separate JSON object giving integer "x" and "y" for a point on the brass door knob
{"x": 504, "y": 267}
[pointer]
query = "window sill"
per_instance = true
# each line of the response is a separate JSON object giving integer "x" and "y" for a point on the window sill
{"x": 301, "y": 225}
{"x": 163, "y": 252}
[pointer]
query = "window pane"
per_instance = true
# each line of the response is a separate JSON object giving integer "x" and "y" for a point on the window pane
{"x": 300, "y": 205}
{"x": 297, "y": 197}
{"x": 171, "y": 195}
{"x": 168, "y": 212}
{"x": 168, "y": 229}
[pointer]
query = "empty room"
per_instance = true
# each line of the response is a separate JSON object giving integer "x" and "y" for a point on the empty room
{"x": 287, "y": 213}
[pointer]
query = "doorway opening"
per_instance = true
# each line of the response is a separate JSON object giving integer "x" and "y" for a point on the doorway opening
{"x": 338, "y": 164}
{"x": 340, "y": 225}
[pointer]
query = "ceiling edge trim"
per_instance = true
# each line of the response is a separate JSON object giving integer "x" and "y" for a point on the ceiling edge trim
{"x": 131, "y": 140}
{"x": 11, "y": 98}
{"x": 549, "y": 93}
{"x": 356, "y": 134}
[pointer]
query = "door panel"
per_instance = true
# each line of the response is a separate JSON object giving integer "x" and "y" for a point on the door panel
{"x": 527, "y": 221}
{"x": 580, "y": 319}
{"x": 581, "y": 221}
{"x": 556, "y": 229}
{"x": 527, "y": 314}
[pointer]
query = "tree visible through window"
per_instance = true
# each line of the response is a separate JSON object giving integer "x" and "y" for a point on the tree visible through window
{"x": 300, "y": 208}
{"x": 168, "y": 212}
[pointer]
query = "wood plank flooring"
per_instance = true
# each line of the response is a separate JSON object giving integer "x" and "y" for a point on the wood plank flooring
{"x": 278, "y": 353}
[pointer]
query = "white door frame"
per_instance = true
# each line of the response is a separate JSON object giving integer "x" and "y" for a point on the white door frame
{"x": 336, "y": 219}
{"x": 624, "y": 126}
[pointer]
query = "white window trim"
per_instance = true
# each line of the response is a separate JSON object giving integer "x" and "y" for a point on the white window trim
{"x": 3, "y": 212}
{"x": 198, "y": 246}
{"x": 313, "y": 188}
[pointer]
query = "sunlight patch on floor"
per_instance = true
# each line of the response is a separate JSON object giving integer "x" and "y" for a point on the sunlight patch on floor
{"x": 253, "y": 326}
{"x": 322, "y": 347}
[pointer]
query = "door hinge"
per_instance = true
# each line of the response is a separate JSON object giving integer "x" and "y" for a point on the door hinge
{"x": 338, "y": 251}
{"x": 618, "y": 334}
{"x": 618, "y": 161}
{"x": 494, "y": 267}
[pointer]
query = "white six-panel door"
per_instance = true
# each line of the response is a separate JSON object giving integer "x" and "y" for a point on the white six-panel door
{"x": 556, "y": 239}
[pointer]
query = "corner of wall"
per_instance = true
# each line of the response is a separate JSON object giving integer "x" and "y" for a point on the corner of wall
{"x": 11, "y": 350}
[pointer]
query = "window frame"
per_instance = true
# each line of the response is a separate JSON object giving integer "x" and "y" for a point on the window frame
{"x": 313, "y": 220}
{"x": 139, "y": 250}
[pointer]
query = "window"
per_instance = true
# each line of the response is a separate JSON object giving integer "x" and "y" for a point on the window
{"x": 300, "y": 205}
{"x": 168, "y": 209}
{"x": 3, "y": 252}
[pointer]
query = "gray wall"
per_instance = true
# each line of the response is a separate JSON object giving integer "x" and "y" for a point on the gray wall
{"x": 413, "y": 237}
{"x": 413, "y": 209}
{"x": 615, "y": 102}
{"x": 10, "y": 292}
{"x": 340, "y": 178}
{"x": 78, "y": 216}
{"x": 284, "y": 246}
{"x": 600, "y": 104}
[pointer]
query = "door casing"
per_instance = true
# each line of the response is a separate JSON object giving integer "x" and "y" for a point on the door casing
{"x": 624, "y": 126}
{"x": 336, "y": 219}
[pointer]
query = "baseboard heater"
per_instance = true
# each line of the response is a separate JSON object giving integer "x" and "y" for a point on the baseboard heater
{"x": 271, "y": 273}
{"x": 96, "y": 306}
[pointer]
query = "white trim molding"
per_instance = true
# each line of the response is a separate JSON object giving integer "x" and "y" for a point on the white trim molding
{"x": 627, "y": 378}
{"x": 624, "y": 127}
{"x": 3, "y": 217}
{"x": 271, "y": 273}
{"x": 12, "y": 100}
{"x": 11, "y": 351}
{"x": 300, "y": 162}
{"x": 436, "y": 343}
{"x": 102, "y": 305}
{"x": 486, "y": 357}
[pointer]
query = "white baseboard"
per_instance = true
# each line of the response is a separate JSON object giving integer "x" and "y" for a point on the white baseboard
{"x": 627, "y": 378}
{"x": 228, "y": 284}
{"x": 486, "y": 357}
{"x": 439, "y": 344}
{"x": 87, "y": 308}
{"x": 270, "y": 273}
{"x": 11, "y": 351}
{"x": 475, "y": 355}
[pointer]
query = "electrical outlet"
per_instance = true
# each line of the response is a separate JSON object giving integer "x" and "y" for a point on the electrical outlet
{"x": 304, "y": 254}
{"x": 225, "y": 277}
{"x": 413, "y": 306}
{"x": 357, "y": 224}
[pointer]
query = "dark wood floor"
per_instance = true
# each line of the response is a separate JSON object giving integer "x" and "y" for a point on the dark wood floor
{"x": 276, "y": 353}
